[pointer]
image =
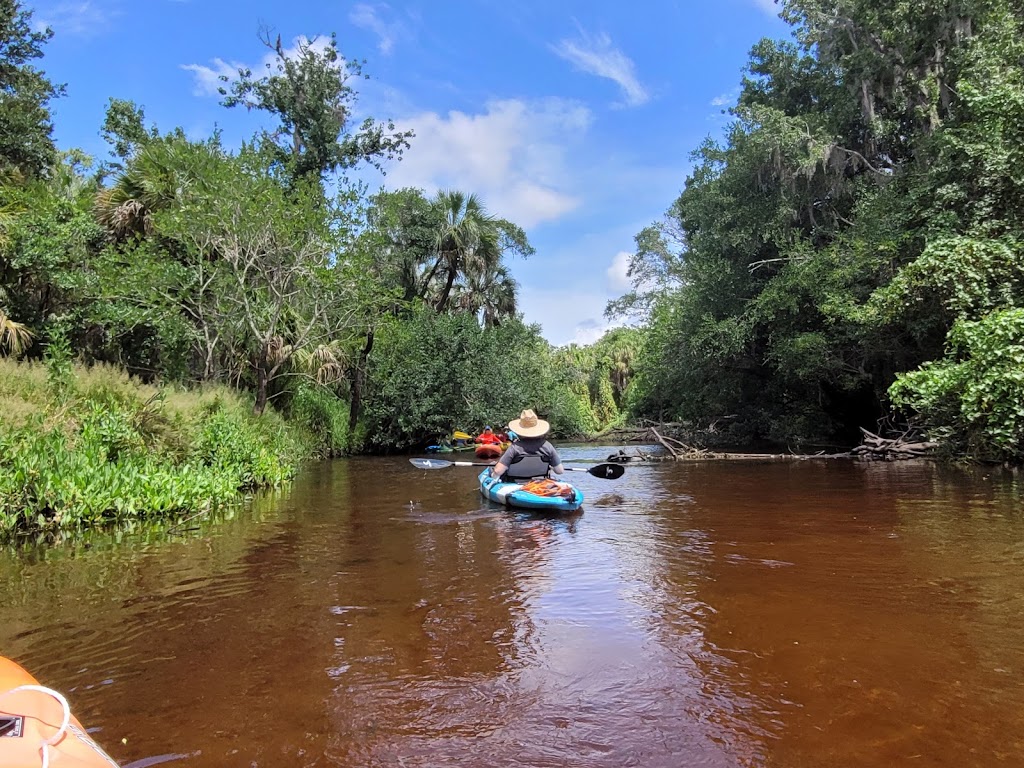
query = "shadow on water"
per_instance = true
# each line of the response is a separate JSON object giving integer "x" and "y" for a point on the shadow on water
{"x": 797, "y": 614}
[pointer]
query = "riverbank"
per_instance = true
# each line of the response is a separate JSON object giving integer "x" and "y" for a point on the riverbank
{"x": 85, "y": 447}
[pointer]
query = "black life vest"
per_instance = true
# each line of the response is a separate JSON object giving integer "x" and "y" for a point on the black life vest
{"x": 527, "y": 468}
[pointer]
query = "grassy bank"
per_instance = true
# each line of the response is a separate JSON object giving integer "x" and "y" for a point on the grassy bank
{"x": 85, "y": 447}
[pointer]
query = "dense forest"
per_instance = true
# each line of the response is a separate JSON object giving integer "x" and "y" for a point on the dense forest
{"x": 147, "y": 295}
{"x": 847, "y": 254}
{"x": 850, "y": 253}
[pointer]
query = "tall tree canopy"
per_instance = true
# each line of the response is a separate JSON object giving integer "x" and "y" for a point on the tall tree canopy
{"x": 26, "y": 145}
{"x": 864, "y": 204}
{"x": 308, "y": 90}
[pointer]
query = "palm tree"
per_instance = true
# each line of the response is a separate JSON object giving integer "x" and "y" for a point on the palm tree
{"x": 14, "y": 337}
{"x": 490, "y": 290}
{"x": 155, "y": 178}
{"x": 467, "y": 239}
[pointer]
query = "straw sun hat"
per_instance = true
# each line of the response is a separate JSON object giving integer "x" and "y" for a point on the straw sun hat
{"x": 528, "y": 425}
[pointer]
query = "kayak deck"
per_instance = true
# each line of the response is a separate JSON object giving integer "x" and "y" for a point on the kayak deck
{"x": 513, "y": 495}
{"x": 38, "y": 728}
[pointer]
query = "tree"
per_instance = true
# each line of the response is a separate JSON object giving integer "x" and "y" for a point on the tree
{"x": 157, "y": 176}
{"x": 476, "y": 376}
{"x": 863, "y": 200}
{"x": 264, "y": 259}
{"x": 124, "y": 130}
{"x": 399, "y": 237}
{"x": 48, "y": 238}
{"x": 488, "y": 290}
{"x": 26, "y": 145}
{"x": 469, "y": 244}
{"x": 308, "y": 90}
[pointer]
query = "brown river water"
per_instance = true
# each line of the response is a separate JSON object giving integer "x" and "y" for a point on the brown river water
{"x": 787, "y": 614}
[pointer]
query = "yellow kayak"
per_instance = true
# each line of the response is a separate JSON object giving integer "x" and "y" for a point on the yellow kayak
{"x": 37, "y": 728}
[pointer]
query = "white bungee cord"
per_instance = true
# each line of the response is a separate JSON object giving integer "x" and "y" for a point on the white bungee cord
{"x": 45, "y": 745}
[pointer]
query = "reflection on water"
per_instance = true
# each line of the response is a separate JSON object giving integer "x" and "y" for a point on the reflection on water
{"x": 758, "y": 614}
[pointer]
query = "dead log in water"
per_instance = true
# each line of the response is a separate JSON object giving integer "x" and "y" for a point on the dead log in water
{"x": 877, "y": 448}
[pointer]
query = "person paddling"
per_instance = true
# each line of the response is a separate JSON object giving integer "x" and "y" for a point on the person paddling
{"x": 531, "y": 455}
{"x": 487, "y": 437}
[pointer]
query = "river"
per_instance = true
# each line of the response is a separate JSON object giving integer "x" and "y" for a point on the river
{"x": 791, "y": 614}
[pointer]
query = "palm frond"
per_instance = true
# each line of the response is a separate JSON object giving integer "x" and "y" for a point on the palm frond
{"x": 14, "y": 337}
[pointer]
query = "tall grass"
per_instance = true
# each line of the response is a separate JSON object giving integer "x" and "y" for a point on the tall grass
{"x": 325, "y": 416}
{"x": 82, "y": 447}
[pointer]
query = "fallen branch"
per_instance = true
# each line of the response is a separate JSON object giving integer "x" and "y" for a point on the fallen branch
{"x": 672, "y": 451}
{"x": 875, "y": 447}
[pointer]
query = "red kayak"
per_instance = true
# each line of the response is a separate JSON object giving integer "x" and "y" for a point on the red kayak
{"x": 489, "y": 451}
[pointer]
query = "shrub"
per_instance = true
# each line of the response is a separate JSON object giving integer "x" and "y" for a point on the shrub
{"x": 974, "y": 398}
{"x": 325, "y": 416}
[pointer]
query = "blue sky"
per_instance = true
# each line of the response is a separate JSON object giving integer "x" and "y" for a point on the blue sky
{"x": 573, "y": 118}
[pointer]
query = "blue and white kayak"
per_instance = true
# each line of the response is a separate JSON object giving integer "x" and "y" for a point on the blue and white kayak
{"x": 513, "y": 495}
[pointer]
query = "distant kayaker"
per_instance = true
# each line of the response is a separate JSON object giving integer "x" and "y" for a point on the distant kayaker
{"x": 487, "y": 437}
{"x": 531, "y": 455}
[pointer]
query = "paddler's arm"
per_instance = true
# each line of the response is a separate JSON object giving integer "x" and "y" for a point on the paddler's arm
{"x": 502, "y": 466}
{"x": 554, "y": 460}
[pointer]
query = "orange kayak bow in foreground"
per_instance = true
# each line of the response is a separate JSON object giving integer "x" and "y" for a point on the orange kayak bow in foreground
{"x": 37, "y": 729}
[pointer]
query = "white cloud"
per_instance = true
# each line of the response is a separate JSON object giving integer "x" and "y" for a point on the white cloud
{"x": 768, "y": 6}
{"x": 597, "y": 56}
{"x": 81, "y": 19}
{"x": 618, "y": 272}
{"x": 512, "y": 155}
{"x": 367, "y": 16}
{"x": 208, "y": 79}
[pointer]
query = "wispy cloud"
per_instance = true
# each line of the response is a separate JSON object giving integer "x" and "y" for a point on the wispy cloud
{"x": 370, "y": 17}
{"x": 208, "y": 79}
{"x": 595, "y": 55}
{"x": 771, "y": 7}
{"x": 80, "y": 19}
{"x": 512, "y": 155}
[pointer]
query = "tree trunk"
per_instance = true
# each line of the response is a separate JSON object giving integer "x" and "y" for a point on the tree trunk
{"x": 358, "y": 376}
{"x": 442, "y": 303}
{"x": 261, "y": 383}
{"x": 261, "y": 391}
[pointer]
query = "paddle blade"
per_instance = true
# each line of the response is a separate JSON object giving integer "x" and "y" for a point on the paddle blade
{"x": 607, "y": 471}
{"x": 430, "y": 463}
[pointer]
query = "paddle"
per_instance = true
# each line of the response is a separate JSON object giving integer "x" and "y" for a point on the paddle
{"x": 605, "y": 471}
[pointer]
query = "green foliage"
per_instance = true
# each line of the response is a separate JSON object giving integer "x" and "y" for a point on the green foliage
{"x": 447, "y": 251}
{"x": 58, "y": 365}
{"x": 117, "y": 450}
{"x": 431, "y": 374}
{"x": 53, "y": 481}
{"x": 246, "y": 450}
{"x": 26, "y": 146}
{"x": 124, "y": 129}
{"x": 597, "y": 379}
{"x": 46, "y": 245}
{"x": 866, "y": 200}
{"x": 324, "y": 415}
{"x": 967, "y": 276}
{"x": 975, "y": 396}
{"x": 308, "y": 90}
